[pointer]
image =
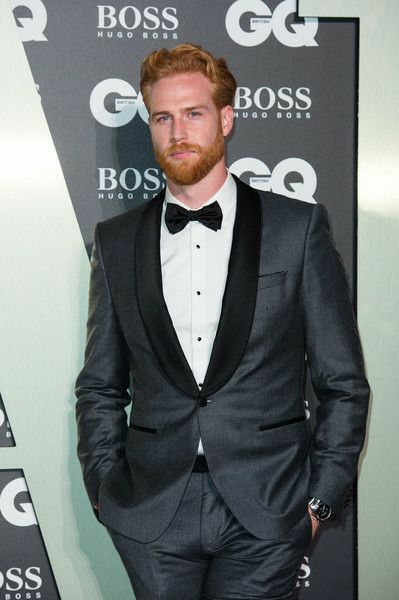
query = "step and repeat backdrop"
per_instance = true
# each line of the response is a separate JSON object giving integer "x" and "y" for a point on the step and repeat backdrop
{"x": 295, "y": 134}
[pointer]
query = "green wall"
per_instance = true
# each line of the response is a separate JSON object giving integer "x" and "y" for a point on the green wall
{"x": 378, "y": 283}
{"x": 43, "y": 293}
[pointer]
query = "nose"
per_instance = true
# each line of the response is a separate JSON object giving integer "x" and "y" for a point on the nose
{"x": 178, "y": 130}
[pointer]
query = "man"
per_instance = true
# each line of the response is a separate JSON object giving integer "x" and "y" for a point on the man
{"x": 211, "y": 295}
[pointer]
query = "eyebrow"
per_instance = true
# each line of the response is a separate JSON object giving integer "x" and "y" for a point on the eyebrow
{"x": 186, "y": 109}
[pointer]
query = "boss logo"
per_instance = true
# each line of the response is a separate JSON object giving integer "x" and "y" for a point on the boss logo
{"x": 16, "y": 579}
{"x": 304, "y": 573}
{"x": 24, "y": 515}
{"x": 278, "y": 180}
{"x": 115, "y": 102}
{"x": 130, "y": 179}
{"x": 286, "y": 101}
{"x": 262, "y": 22}
{"x": 128, "y": 19}
{"x": 31, "y": 29}
{"x": 148, "y": 183}
{"x": 264, "y": 98}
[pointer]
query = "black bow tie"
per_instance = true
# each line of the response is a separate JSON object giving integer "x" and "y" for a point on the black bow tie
{"x": 177, "y": 217}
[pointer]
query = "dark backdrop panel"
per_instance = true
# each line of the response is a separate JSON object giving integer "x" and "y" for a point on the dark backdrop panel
{"x": 25, "y": 571}
{"x": 6, "y": 436}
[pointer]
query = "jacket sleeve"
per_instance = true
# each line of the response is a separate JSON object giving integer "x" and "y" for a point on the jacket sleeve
{"x": 335, "y": 361}
{"x": 102, "y": 385}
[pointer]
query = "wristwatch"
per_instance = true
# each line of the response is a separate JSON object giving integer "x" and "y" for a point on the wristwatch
{"x": 320, "y": 510}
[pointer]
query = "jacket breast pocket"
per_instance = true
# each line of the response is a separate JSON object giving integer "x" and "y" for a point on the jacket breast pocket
{"x": 271, "y": 279}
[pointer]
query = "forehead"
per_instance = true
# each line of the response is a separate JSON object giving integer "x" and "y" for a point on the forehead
{"x": 182, "y": 90}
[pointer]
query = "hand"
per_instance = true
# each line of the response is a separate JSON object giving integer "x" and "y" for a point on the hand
{"x": 315, "y": 523}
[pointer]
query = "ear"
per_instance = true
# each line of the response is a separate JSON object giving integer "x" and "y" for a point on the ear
{"x": 227, "y": 117}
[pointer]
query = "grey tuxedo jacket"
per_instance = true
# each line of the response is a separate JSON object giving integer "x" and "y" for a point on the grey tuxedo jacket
{"x": 286, "y": 301}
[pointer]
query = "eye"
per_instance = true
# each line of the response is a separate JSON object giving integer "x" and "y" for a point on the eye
{"x": 194, "y": 113}
{"x": 162, "y": 118}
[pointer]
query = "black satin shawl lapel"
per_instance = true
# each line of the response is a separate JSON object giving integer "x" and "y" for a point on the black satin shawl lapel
{"x": 153, "y": 309}
{"x": 239, "y": 298}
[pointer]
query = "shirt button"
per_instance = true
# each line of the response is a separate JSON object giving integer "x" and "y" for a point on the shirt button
{"x": 197, "y": 246}
{"x": 200, "y": 385}
{"x": 202, "y": 401}
{"x": 199, "y": 339}
{"x": 198, "y": 293}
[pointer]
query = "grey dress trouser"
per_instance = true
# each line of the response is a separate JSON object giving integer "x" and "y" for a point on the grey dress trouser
{"x": 205, "y": 554}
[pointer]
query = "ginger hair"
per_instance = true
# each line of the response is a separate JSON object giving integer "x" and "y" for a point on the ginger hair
{"x": 188, "y": 58}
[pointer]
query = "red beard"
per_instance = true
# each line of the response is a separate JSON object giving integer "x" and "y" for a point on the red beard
{"x": 193, "y": 169}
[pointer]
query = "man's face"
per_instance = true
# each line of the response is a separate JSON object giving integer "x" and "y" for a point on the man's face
{"x": 187, "y": 129}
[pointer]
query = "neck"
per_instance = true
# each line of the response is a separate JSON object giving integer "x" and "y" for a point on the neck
{"x": 194, "y": 196}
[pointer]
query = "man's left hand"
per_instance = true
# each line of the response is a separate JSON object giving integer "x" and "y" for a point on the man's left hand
{"x": 315, "y": 523}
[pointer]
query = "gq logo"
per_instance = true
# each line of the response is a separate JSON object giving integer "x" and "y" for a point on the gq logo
{"x": 31, "y": 29}
{"x": 122, "y": 109}
{"x": 24, "y": 515}
{"x": 264, "y": 179}
{"x": 265, "y": 22}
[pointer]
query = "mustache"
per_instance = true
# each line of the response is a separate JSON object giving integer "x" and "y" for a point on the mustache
{"x": 183, "y": 147}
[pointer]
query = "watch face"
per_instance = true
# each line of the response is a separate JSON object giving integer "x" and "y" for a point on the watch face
{"x": 321, "y": 510}
{"x": 324, "y": 512}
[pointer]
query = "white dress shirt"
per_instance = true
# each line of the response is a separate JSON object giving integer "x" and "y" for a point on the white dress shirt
{"x": 194, "y": 265}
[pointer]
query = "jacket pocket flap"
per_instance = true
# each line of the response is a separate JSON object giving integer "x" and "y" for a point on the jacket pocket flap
{"x": 271, "y": 279}
{"x": 282, "y": 423}
{"x": 141, "y": 428}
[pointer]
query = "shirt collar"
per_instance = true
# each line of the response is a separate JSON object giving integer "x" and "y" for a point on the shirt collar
{"x": 226, "y": 196}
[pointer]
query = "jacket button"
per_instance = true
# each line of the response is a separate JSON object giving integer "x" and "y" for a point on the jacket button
{"x": 202, "y": 401}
